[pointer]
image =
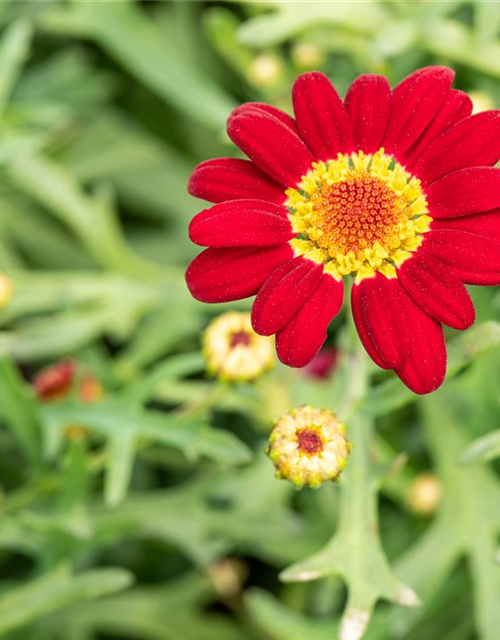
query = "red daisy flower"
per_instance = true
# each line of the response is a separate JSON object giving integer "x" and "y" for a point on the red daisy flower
{"x": 395, "y": 188}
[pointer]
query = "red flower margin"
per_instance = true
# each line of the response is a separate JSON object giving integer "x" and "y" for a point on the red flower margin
{"x": 392, "y": 187}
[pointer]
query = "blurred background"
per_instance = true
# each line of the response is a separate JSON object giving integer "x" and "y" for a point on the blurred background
{"x": 135, "y": 499}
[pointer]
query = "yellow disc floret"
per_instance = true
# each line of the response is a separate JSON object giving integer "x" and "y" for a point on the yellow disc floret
{"x": 308, "y": 446}
{"x": 233, "y": 351}
{"x": 358, "y": 214}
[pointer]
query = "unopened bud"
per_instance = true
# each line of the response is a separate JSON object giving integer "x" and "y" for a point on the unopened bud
{"x": 57, "y": 381}
{"x": 424, "y": 495}
{"x": 481, "y": 101}
{"x": 228, "y": 575}
{"x": 323, "y": 364}
{"x": 5, "y": 289}
{"x": 308, "y": 446}
{"x": 266, "y": 70}
{"x": 233, "y": 351}
{"x": 307, "y": 56}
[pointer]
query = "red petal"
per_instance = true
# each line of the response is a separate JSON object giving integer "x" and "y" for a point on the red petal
{"x": 364, "y": 334}
{"x": 223, "y": 275}
{"x": 415, "y": 102}
{"x": 458, "y": 106}
{"x": 273, "y": 146}
{"x": 283, "y": 294}
{"x": 301, "y": 339}
{"x": 472, "y": 142}
{"x": 425, "y": 368}
{"x": 466, "y": 191}
{"x": 262, "y": 107}
{"x": 482, "y": 224}
{"x": 437, "y": 290}
{"x": 321, "y": 117}
{"x": 475, "y": 260}
{"x": 224, "y": 179}
{"x": 241, "y": 223}
{"x": 368, "y": 103}
{"x": 379, "y": 316}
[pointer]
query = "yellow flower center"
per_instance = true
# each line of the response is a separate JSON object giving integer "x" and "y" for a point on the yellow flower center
{"x": 358, "y": 214}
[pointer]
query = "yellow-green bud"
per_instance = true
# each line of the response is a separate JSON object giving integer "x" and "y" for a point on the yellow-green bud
{"x": 266, "y": 70}
{"x": 307, "y": 56}
{"x": 233, "y": 351}
{"x": 308, "y": 446}
{"x": 481, "y": 101}
{"x": 424, "y": 495}
{"x": 5, "y": 289}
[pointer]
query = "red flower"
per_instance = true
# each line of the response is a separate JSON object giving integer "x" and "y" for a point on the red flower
{"x": 395, "y": 188}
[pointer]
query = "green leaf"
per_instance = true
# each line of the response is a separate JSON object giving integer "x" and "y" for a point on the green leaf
{"x": 120, "y": 454}
{"x": 290, "y": 19}
{"x": 483, "y": 449}
{"x": 18, "y": 410}
{"x": 55, "y": 591}
{"x": 125, "y": 425}
{"x": 281, "y": 623}
{"x": 92, "y": 218}
{"x": 14, "y": 47}
{"x": 174, "y": 368}
{"x": 124, "y": 31}
{"x": 454, "y": 41}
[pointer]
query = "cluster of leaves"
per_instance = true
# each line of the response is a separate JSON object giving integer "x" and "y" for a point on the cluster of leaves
{"x": 163, "y": 521}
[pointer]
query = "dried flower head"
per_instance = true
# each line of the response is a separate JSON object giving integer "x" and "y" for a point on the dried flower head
{"x": 234, "y": 352}
{"x": 308, "y": 446}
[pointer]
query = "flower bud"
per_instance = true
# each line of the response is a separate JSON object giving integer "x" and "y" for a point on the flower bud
{"x": 228, "y": 575}
{"x": 233, "y": 351}
{"x": 266, "y": 70}
{"x": 323, "y": 364}
{"x": 5, "y": 289}
{"x": 57, "y": 381}
{"x": 307, "y": 56}
{"x": 308, "y": 446}
{"x": 424, "y": 495}
{"x": 481, "y": 101}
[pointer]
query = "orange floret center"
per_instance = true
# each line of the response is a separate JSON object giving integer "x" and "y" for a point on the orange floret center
{"x": 354, "y": 214}
{"x": 358, "y": 214}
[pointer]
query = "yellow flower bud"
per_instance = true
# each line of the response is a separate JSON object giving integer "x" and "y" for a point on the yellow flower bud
{"x": 308, "y": 446}
{"x": 233, "y": 351}
{"x": 307, "y": 56}
{"x": 424, "y": 495}
{"x": 481, "y": 101}
{"x": 266, "y": 70}
{"x": 5, "y": 289}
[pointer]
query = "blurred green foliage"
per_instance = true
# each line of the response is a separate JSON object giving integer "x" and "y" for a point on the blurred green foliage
{"x": 163, "y": 521}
